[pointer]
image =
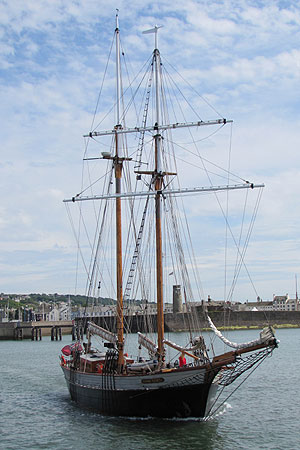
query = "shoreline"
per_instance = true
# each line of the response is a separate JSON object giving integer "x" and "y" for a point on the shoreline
{"x": 252, "y": 327}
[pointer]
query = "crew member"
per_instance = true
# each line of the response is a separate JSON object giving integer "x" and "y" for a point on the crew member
{"x": 182, "y": 360}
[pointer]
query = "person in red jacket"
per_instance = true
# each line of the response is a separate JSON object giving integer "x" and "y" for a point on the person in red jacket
{"x": 182, "y": 360}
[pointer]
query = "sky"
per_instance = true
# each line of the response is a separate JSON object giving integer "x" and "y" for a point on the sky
{"x": 242, "y": 55}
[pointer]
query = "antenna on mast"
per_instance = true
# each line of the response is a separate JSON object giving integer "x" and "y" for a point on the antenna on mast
{"x": 153, "y": 30}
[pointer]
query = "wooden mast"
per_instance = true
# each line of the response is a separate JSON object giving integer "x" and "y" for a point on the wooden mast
{"x": 158, "y": 179}
{"x": 159, "y": 272}
{"x": 118, "y": 164}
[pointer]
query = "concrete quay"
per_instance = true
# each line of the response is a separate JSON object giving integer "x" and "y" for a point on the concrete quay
{"x": 34, "y": 330}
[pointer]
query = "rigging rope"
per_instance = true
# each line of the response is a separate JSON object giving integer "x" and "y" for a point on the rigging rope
{"x": 261, "y": 356}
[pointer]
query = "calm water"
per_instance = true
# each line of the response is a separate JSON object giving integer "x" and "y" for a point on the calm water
{"x": 36, "y": 412}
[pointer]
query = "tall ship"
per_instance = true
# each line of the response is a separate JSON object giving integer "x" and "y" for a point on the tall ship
{"x": 143, "y": 252}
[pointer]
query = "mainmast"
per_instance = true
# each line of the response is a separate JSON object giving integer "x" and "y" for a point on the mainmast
{"x": 157, "y": 182}
{"x": 118, "y": 165}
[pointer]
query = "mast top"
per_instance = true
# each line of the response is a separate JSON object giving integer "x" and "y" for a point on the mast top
{"x": 117, "y": 19}
{"x": 153, "y": 30}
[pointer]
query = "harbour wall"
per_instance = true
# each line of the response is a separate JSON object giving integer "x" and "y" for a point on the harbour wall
{"x": 222, "y": 319}
{"x": 172, "y": 322}
{"x": 236, "y": 319}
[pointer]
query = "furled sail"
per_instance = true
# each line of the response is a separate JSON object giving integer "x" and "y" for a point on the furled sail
{"x": 99, "y": 331}
{"x": 265, "y": 336}
{"x": 147, "y": 343}
{"x": 198, "y": 345}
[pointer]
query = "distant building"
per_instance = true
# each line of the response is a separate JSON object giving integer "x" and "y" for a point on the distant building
{"x": 284, "y": 303}
{"x": 279, "y": 303}
{"x": 42, "y": 312}
{"x": 292, "y": 305}
{"x": 53, "y": 314}
{"x": 254, "y": 306}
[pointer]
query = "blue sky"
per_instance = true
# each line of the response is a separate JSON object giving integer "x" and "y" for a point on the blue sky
{"x": 243, "y": 56}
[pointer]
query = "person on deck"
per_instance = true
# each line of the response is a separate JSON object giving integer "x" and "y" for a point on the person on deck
{"x": 182, "y": 360}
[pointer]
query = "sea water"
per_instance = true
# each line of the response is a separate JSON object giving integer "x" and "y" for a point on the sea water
{"x": 37, "y": 413}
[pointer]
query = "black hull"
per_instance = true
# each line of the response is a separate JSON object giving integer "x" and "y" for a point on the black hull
{"x": 186, "y": 401}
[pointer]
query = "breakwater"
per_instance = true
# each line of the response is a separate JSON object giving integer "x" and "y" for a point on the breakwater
{"x": 172, "y": 322}
{"x": 222, "y": 319}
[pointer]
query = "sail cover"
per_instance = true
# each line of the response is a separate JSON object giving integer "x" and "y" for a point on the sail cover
{"x": 147, "y": 343}
{"x": 198, "y": 345}
{"x": 265, "y": 335}
{"x": 99, "y": 331}
{"x": 68, "y": 349}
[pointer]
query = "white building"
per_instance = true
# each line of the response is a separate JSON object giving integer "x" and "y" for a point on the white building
{"x": 53, "y": 315}
{"x": 62, "y": 312}
{"x": 284, "y": 303}
{"x": 279, "y": 303}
